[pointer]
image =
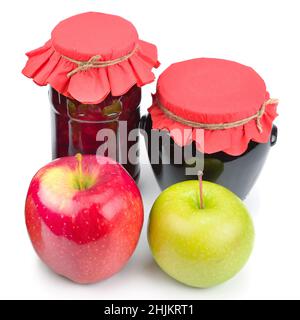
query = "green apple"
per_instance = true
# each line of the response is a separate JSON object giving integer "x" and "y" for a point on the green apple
{"x": 200, "y": 245}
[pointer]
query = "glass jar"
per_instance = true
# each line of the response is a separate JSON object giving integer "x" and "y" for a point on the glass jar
{"x": 210, "y": 115}
{"x": 95, "y": 84}
{"x": 75, "y": 125}
{"x": 237, "y": 173}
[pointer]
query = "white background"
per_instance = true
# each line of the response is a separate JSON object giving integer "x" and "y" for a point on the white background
{"x": 260, "y": 33}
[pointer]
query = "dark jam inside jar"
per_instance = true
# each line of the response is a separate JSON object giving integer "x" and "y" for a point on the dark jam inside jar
{"x": 237, "y": 173}
{"x": 76, "y": 126}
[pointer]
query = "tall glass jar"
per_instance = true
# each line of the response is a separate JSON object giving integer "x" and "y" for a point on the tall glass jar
{"x": 75, "y": 125}
{"x": 95, "y": 65}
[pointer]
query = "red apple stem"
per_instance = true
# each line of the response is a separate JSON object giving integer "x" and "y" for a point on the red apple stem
{"x": 79, "y": 168}
{"x": 200, "y": 177}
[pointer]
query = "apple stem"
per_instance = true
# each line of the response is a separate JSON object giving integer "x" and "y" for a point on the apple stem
{"x": 200, "y": 177}
{"x": 79, "y": 168}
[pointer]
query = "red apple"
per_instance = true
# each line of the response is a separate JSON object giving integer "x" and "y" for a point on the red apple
{"x": 84, "y": 216}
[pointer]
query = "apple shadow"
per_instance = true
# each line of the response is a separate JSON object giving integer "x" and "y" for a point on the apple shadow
{"x": 153, "y": 271}
{"x": 60, "y": 280}
{"x": 51, "y": 275}
{"x": 160, "y": 286}
{"x": 122, "y": 277}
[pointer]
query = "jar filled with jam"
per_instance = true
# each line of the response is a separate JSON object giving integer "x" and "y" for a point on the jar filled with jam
{"x": 76, "y": 126}
{"x": 214, "y": 114}
{"x": 95, "y": 65}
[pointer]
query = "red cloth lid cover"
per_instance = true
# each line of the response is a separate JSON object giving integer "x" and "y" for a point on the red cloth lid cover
{"x": 91, "y": 55}
{"x": 226, "y": 99}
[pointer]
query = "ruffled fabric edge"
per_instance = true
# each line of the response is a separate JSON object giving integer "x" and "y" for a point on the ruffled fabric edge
{"x": 46, "y": 66}
{"x": 232, "y": 141}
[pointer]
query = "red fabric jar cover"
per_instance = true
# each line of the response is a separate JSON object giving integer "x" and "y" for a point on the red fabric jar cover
{"x": 91, "y": 55}
{"x": 224, "y": 95}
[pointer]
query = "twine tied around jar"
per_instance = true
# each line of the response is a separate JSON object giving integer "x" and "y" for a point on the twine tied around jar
{"x": 220, "y": 126}
{"x": 95, "y": 62}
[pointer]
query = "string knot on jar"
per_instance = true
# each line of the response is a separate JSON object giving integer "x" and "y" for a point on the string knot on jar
{"x": 95, "y": 62}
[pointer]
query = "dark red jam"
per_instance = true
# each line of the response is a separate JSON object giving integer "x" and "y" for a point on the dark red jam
{"x": 75, "y": 126}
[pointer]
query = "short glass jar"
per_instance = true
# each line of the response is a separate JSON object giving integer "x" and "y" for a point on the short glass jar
{"x": 210, "y": 116}
{"x": 75, "y": 125}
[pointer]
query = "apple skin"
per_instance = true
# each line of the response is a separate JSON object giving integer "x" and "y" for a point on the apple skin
{"x": 200, "y": 247}
{"x": 84, "y": 235}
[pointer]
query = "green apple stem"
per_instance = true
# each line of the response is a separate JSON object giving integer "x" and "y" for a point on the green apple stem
{"x": 79, "y": 168}
{"x": 200, "y": 177}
